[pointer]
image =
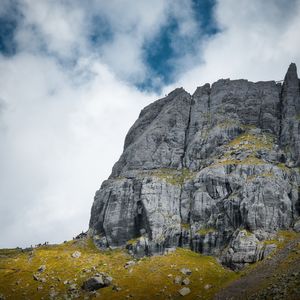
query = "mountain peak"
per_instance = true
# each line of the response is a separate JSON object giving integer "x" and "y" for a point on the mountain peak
{"x": 291, "y": 74}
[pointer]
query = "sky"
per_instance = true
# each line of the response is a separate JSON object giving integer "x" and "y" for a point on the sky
{"x": 75, "y": 74}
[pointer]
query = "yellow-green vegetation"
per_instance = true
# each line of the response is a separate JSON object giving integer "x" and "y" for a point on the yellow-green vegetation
{"x": 265, "y": 175}
{"x": 281, "y": 238}
{"x": 205, "y": 231}
{"x": 172, "y": 176}
{"x": 246, "y": 141}
{"x": 253, "y": 142}
{"x": 247, "y": 232}
{"x": 250, "y": 160}
{"x": 150, "y": 278}
{"x": 228, "y": 124}
{"x": 132, "y": 241}
{"x": 185, "y": 226}
{"x": 283, "y": 167}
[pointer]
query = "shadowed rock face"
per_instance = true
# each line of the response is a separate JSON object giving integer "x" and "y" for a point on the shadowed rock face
{"x": 216, "y": 171}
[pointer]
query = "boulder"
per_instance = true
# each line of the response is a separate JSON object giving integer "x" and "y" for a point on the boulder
{"x": 97, "y": 282}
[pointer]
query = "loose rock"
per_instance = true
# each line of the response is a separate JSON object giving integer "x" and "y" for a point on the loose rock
{"x": 42, "y": 268}
{"x": 76, "y": 254}
{"x": 186, "y": 271}
{"x": 178, "y": 280}
{"x": 97, "y": 282}
{"x": 129, "y": 264}
{"x": 184, "y": 291}
{"x": 186, "y": 281}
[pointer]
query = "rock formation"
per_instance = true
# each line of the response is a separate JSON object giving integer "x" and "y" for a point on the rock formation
{"x": 216, "y": 171}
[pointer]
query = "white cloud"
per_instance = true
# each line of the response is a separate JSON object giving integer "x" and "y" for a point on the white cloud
{"x": 59, "y": 143}
{"x": 258, "y": 41}
{"x": 51, "y": 26}
{"x": 62, "y": 127}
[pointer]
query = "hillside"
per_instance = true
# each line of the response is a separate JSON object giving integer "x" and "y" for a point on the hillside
{"x": 147, "y": 278}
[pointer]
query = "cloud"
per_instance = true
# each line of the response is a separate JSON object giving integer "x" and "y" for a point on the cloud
{"x": 257, "y": 40}
{"x": 71, "y": 90}
{"x": 58, "y": 144}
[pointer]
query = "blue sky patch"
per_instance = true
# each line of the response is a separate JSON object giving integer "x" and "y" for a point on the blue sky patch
{"x": 161, "y": 54}
{"x": 100, "y": 31}
{"x": 8, "y": 26}
{"x": 203, "y": 11}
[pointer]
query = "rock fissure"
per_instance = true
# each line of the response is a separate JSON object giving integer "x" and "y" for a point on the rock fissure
{"x": 187, "y": 133}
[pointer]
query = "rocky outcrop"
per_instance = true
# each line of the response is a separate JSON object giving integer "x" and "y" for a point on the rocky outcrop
{"x": 216, "y": 171}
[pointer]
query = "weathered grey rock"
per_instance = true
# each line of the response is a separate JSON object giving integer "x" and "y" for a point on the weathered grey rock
{"x": 97, "y": 282}
{"x": 184, "y": 291}
{"x": 76, "y": 254}
{"x": 216, "y": 172}
{"x": 186, "y": 281}
{"x": 244, "y": 248}
{"x": 290, "y": 116}
{"x": 42, "y": 268}
{"x": 297, "y": 226}
{"x": 157, "y": 139}
{"x": 129, "y": 264}
{"x": 186, "y": 271}
{"x": 35, "y": 277}
{"x": 72, "y": 287}
{"x": 178, "y": 280}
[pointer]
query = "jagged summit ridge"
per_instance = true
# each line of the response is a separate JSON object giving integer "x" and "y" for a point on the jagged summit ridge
{"x": 216, "y": 171}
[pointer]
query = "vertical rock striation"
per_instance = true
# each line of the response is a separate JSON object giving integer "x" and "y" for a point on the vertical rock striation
{"x": 216, "y": 171}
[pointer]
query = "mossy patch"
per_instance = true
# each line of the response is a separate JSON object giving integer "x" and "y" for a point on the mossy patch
{"x": 185, "y": 226}
{"x": 283, "y": 167}
{"x": 205, "y": 231}
{"x": 250, "y": 160}
{"x": 132, "y": 241}
{"x": 229, "y": 124}
{"x": 249, "y": 141}
{"x": 172, "y": 176}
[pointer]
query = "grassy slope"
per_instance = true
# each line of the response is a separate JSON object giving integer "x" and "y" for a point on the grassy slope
{"x": 148, "y": 279}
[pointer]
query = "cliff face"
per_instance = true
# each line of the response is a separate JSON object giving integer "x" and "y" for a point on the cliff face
{"x": 216, "y": 171}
